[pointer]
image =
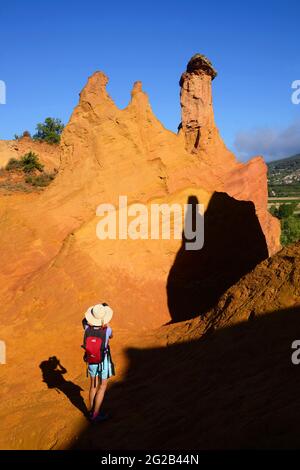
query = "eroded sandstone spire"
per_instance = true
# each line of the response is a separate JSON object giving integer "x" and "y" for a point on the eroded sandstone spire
{"x": 139, "y": 99}
{"x": 197, "y": 116}
{"x": 94, "y": 92}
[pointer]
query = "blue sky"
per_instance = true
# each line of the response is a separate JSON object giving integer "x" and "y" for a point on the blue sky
{"x": 48, "y": 49}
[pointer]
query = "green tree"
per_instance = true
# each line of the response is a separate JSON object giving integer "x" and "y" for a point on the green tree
{"x": 49, "y": 131}
{"x": 286, "y": 210}
{"x": 290, "y": 222}
{"x": 30, "y": 161}
{"x": 274, "y": 210}
{"x": 290, "y": 230}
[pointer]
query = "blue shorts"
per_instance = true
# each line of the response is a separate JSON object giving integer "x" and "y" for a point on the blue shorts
{"x": 103, "y": 370}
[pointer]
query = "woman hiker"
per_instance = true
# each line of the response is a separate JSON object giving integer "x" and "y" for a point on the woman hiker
{"x": 97, "y": 355}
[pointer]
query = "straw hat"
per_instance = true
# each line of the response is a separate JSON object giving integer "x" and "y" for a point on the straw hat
{"x": 99, "y": 315}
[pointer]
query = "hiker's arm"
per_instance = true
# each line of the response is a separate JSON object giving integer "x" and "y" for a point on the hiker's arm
{"x": 84, "y": 338}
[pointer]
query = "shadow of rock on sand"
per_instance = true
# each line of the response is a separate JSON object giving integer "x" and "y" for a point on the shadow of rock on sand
{"x": 234, "y": 244}
{"x": 236, "y": 388}
{"x": 53, "y": 375}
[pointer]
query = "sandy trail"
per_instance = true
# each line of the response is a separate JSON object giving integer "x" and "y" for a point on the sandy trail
{"x": 34, "y": 416}
{"x": 174, "y": 389}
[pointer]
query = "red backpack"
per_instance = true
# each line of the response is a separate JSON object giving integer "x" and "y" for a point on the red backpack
{"x": 94, "y": 344}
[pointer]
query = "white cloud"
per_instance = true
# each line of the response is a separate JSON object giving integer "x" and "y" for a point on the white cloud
{"x": 270, "y": 143}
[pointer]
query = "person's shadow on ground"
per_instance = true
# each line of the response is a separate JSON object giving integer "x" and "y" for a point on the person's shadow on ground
{"x": 53, "y": 375}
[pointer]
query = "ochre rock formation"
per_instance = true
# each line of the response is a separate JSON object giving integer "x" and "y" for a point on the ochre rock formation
{"x": 53, "y": 266}
{"x": 197, "y": 115}
{"x": 242, "y": 181}
{"x": 196, "y": 101}
{"x": 106, "y": 152}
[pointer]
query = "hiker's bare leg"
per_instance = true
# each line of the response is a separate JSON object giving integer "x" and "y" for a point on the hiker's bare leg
{"x": 93, "y": 390}
{"x": 99, "y": 396}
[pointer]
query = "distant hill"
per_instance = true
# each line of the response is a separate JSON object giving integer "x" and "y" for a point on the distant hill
{"x": 284, "y": 176}
{"x": 288, "y": 163}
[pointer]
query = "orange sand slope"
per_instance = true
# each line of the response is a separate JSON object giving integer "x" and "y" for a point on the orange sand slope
{"x": 178, "y": 386}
